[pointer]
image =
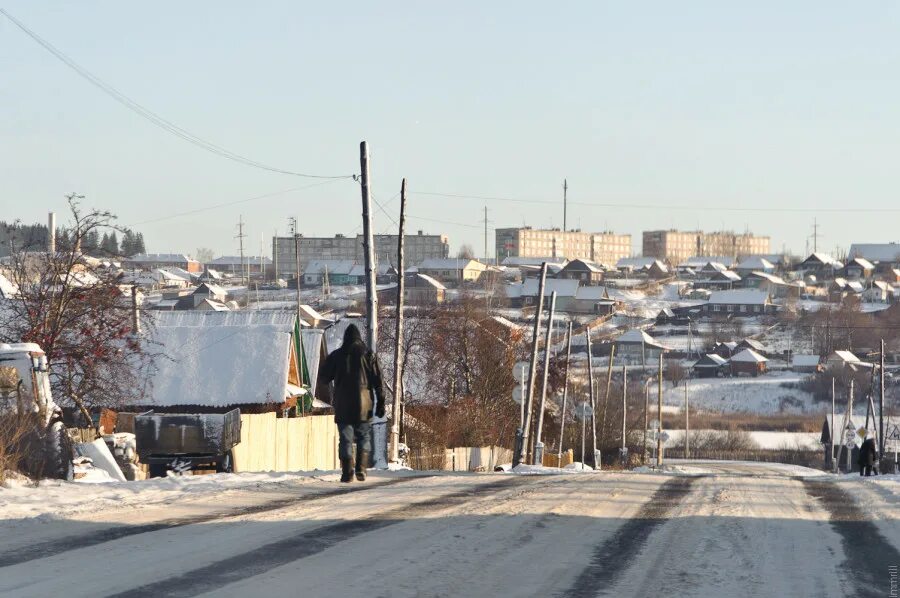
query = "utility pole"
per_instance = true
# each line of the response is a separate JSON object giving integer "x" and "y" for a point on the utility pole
{"x": 587, "y": 336}
{"x": 368, "y": 249}
{"x": 565, "y": 202}
{"x": 815, "y": 236}
{"x": 521, "y": 447}
{"x": 624, "y": 411}
{"x": 240, "y": 237}
{"x": 659, "y": 458}
{"x": 881, "y": 405}
{"x": 849, "y": 423}
{"x": 562, "y": 418}
{"x": 538, "y": 451}
{"x": 646, "y": 422}
{"x": 833, "y": 458}
{"x": 297, "y": 266}
{"x": 398, "y": 341}
{"x": 609, "y": 373}
{"x": 485, "y": 235}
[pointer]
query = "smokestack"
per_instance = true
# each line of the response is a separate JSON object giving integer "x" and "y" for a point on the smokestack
{"x": 51, "y": 233}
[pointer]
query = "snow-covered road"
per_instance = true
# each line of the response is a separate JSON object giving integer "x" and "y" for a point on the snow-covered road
{"x": 707, "y": 529}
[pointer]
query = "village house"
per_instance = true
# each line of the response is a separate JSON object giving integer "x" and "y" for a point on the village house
{"x": 857, "y": 268}
{"x": 807, "y": 364}
{"x": 153, "y": 261}
{"x": 725, "y": 349}
{"x": 235, "y": 265}
{"x": 709, "y": 366}
{"x": 453, "y": 271}
{"x": 846, "y": 359}
{"x": 584, "y": 271}
{"x": 884, "y": 255}
{"x": 638, "y": 347}
{"x": 841, "y": 287}
{"x": 741, "y": 302}
{"x": 747, "y": 361}
{"x": 878, "y": 291}
{"x": 821, "y": 265}
{"x": 754, "y": 263}
{"x": 336, "y": 272}
{"x": 418, "y": 289}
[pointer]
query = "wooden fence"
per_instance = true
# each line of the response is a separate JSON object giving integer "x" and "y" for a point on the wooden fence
{"x": 465, "y": 458}
{"x": 269, "y": 443}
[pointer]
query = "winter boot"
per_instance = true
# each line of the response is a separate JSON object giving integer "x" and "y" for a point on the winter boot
{"x": 346, "y": 470}
{"x": 362, "y": 460}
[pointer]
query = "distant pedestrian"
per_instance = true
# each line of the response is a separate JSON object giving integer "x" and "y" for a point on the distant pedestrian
{"x": 868, "y": 454}
{"x": 357, "y": 394}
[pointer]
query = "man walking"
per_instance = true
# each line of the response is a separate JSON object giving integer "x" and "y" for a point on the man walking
{"x": 357, "y": 393}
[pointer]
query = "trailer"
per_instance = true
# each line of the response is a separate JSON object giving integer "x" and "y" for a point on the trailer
{"x": 182, "y": 442}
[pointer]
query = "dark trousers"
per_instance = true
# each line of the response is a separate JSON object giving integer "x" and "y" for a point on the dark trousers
{"x": 867, "y": 470}
{"x": 360, "y": 433}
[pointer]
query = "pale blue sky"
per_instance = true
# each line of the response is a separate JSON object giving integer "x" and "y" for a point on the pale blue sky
{"x": 694, "y": 105}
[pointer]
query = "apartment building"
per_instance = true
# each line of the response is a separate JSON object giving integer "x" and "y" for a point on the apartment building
{"x": 416, "y": 248}
{"x": 677, "y": 246}
{"x": 605, "y": 247}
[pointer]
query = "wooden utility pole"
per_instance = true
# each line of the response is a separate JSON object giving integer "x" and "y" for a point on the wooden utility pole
{"x": 881, "y": 405}
{"x": 398, "y": 341}
{"x": 587, "y": 336}
{"x": 562, "y": 417}
{"x": 609, "y": 373}
{"x": 687, "y": 420}
{"x": 646, "y": 422}
{"x": 518, "y": 455}
{"x": 565, "y": 202}
{"x": 368, "y": 249}
{"x": 833, "y": 458}
{"x": 485, "y": 236}
{"x": 659, "y": 442}
{"x": 849, "y": 422}
{"x": 538, "y": 450}
{"x": 624, "y": 411}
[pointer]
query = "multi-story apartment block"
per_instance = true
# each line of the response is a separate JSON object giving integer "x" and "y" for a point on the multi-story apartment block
{"x": 604, "y": 247}
{"x": 416, "y": 249}
{"x": 677, "y": 246}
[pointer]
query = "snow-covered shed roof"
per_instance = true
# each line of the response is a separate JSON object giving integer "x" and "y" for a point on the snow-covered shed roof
{"x": 220, "y": 359}
{"x": 698, "y": 261}
{"x": 237, "y": 261}
{"x": 710, "y": 360}
{"x": 431, "y": 281}
{"x": 159, "y": 258}
{"x": 824, "y": 259}
{"x": 805, "y": 360}
{"x": 333, "y": 267}
{"x": 876, "y": 252}
{"x": 748, "y": 356}
{"x": 635, "y": 262}
{"x": 531, "y": 261}
{"x": 845, "y": 356}
{"x": 588, "y": 265}
{"x": 636, "y": 336}
{"x": 766, "y": 276}
{"x": 563, "y": 287}
{"x": 451, "y": 264}
{"x": 739, "y": 297}
{"x": 862, "y": 263}
{"x": 592, "y": 294}
{"x": 755, "y": 262}
{"x": 210, "y": 289}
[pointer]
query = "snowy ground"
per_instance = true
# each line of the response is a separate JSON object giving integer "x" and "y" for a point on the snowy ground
{"x": 764, "y": 395}
{"x": 706, "y": 529}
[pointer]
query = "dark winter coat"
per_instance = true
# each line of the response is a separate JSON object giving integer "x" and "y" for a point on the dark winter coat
{"x": 357, "y": 377}
{"x": 867, "y": 453}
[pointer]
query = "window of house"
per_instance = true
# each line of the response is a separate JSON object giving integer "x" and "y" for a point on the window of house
{"x": 743, "y": 309}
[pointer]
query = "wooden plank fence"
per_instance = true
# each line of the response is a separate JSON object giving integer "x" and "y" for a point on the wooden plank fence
{"x": 269, "y": 443}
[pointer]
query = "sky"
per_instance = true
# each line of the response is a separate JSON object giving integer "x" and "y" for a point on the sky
{"x": 760, "y": 116}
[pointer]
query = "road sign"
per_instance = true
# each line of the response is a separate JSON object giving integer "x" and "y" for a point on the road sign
{"x": 520, "y": 371}
{"x": 654, "y": 424}
{"x": 862, "y": 432}
{"x": 583, "y": 411}
{"x": 893, "y": 433}
{"x": 664, "y": 436}
{"x": 850, "y": 438}
{"x": 518, "y": 394}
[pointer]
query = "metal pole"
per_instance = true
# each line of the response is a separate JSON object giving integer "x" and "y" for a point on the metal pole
{"x": 659, "y": 458}
{"x": 646, "y": 422}
{"x": 297, "y": 264}
{"x": 583, "y": 426}
{"x": 368, "y": 249}
{"x": 562, "y": 418}
{"x": 518, "y": 457}
{"x": 538, "y": 452}
{"x": 398, "y": 341}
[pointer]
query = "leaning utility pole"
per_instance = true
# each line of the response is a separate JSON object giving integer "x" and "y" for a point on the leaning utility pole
{"x": 538, "y": 451}
{"x": 368, "y": 249}
{"x": 590, "y": 356}
{"x": 659, "y": 443}
{"x": 398, "y": 341}
{"x": 521, "y": 446}
{"x": 562, "y": 417}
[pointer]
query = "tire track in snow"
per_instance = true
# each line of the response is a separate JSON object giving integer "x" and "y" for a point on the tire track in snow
{"x": 867, "y": 554}
{"x": 314, "y": 541}
{"x": 629, "y": 539}
{"x": 54, "y": 547}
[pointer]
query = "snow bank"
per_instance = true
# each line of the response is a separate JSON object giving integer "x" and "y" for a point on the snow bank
{"x": 54, "y": 499}
{"x": 523, "y": 469}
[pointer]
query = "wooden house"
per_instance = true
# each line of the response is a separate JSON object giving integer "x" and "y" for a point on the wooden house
{"x": 710, "y": 366}
{"x": 747, "y": 362}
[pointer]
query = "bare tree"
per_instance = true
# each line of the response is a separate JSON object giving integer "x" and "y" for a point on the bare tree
{"x": 80, "y": 313}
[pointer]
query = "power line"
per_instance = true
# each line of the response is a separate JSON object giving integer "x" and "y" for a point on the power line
{"x": 640, "y": 206}
{"x": 230, "y": 203}
{"x": 151, "y": 116}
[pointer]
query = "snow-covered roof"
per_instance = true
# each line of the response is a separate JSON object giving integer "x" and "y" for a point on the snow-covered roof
{"x": 332, "y": 266}
{"x": 592, "y": 294}
{"x": 210, "y": 289}
{"x": 767, "y": 276}
{"x": 166, "y": 276}
{"x": 876, "y": 252}
{"x": 636, "y": 336}
{"x": 588, "y": 264}
{"x": 862, "y": 263}
{"x": 845, "y": 356}
{"x": 806, "y": 360}
{"x": 739, "y": 297}
{"x": 824, "y": 259}
{"x": 311, "y": 313}
{"x": 855, "y": 286}
{"x": 212, "y": 305}
{"x": 698, "y": 261}
{"x": 531, "y": 261}
{"x": 710, "y": 360}
{"x": 563, "y": 287}
{"x": 160, "y": 257}
{"x": 635, "y": 262}
{"x": 431, "y": 282}
{"x": 755, "y": 262}
{"x": 221, "y": 358}
{"x": 235, "y": 260}
{"x": 714, "y": 267}
{"x": 748, "y": 356}
{"x": 7, "y": 288}
{"x": 451, "y": 264}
